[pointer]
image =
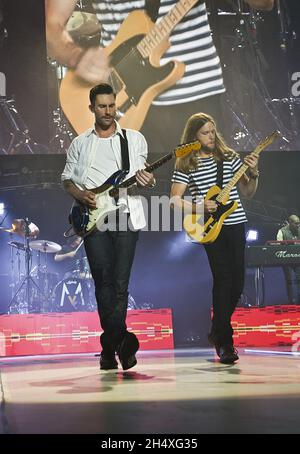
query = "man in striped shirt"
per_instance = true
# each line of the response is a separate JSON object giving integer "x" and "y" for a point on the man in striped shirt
{"x": 198, "y": 172}
{"x": 191, "y": 43}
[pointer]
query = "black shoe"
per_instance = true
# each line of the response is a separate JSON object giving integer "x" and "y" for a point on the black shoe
{"x": 214, "y": 343}
{"x": 108, "y": 362}
{"x": 107, "y": 357}
{"x": 228, "y": 354}
{"x": 127, "y": 350}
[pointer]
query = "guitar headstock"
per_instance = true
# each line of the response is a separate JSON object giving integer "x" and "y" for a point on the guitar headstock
{"x": 183, "y": 150}
{"x": 266, "y": 142}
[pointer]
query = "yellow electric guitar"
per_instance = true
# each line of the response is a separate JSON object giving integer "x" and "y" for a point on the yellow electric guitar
{"x": 206, "y": 229}
{"x": 136, "y": 74}
{"x": 84, "y": 220}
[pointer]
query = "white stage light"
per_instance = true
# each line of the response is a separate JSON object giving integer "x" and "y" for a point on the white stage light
{"x": 252, "y": 235}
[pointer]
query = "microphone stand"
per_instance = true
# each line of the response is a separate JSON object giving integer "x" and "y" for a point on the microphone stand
{"x": 19, "y": 132}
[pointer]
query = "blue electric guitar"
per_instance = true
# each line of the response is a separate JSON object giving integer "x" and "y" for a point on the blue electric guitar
{"x": 85, "y": 220}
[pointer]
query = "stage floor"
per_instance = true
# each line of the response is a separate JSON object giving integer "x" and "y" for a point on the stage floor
{"x": 179, "y": 391}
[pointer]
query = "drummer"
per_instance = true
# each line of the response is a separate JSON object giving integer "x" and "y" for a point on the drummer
{"x": 74, "y": 258}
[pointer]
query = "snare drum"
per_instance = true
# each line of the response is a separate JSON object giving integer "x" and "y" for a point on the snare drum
{"x": 71, "y": 295}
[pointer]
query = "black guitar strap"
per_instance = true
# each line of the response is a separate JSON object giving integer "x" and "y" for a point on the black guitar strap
{"x": 220, "y": 174}
{"x": 124, "y": 151}
{"x": 152, "y": 8}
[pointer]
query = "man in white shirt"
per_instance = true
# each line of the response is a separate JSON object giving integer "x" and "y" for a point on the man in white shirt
{"x": 92, "y": 158}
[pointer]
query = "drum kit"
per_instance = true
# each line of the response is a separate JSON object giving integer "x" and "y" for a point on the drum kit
{"x": 34, "y": 289}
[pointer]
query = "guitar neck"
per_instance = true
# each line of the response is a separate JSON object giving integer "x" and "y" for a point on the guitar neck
{"x": 132, "y": 180}
{"x": 224, "y": 194}
{"x": 237, "y": 176}
{"x": 163, "y": 28}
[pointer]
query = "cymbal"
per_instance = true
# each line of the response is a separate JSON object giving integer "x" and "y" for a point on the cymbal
{"x": 19, "y": 226}
{"x": 45, "y": 246}
{"x": 17, "y": 245}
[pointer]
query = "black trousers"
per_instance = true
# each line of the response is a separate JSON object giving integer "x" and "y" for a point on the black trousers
{"x": 227, "y": 263}
{"x": 110, "y": 255}
{"x": 292, "y": 280}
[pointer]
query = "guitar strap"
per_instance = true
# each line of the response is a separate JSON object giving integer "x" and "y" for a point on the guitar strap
{"x": 220, "y": 174}
{"x": 124, "y": 155}
{"x": 124, "y": 151}
{"x": 152, "y": 8}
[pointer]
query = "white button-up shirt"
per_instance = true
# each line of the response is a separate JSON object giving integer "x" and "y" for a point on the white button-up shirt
{"x": 81, "y": 156}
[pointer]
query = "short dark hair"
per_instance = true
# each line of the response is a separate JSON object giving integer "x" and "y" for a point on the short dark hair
{"x": 101, "y": 89}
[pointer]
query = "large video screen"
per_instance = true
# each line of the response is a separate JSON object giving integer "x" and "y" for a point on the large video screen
{"x": 218, "y": 57}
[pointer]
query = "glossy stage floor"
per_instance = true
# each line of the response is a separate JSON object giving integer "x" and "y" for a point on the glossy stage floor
{"x": 176, "y": 391}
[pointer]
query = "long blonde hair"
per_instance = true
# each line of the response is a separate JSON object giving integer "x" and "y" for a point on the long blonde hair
{"x": 221, "y": 153}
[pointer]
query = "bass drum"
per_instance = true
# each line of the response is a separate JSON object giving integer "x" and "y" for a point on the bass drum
{"x": 71, "y": 295}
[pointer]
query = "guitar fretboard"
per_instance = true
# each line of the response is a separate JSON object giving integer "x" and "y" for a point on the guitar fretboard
{"x": 163, "y": 28}
{"x": 132, "y": 180}
{"x": 224, "y": 194}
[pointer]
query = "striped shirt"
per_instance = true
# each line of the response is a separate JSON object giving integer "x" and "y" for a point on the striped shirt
{"x": 200, "y": 180}
{"x": 191, "y": 43}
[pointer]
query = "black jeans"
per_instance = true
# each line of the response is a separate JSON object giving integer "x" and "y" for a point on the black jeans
{"x": 110, "y": 255}
{"x": 292, "y": 279}
{"x": 227, "y": 263}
